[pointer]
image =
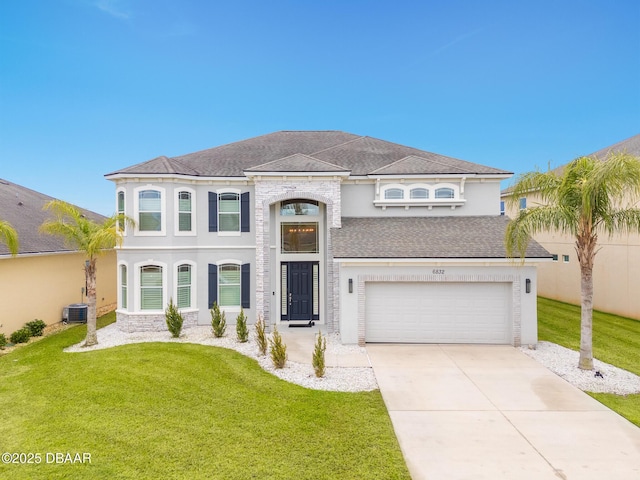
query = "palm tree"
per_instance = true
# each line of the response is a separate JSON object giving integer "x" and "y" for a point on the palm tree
{"x": 87, "y": 236}
{"x": 587, "y": 198}
{"x": 9, "y": 237}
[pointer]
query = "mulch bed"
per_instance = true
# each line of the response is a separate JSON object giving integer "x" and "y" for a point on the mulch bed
{"x": 48, "y": 330}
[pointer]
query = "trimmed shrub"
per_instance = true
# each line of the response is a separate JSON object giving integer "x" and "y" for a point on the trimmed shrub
{"x": 3, "y": 341}
{"x": 242, "y": 332}
{"x": 317, "y": 359}
{"x": 261, "y": 336}
{"x": 21, "y": 336}
{"x": 36, "y": 327}
{"x": 174, "y": 319}
{"x": 277, "y": 349}
{"x": 218, "y": 321}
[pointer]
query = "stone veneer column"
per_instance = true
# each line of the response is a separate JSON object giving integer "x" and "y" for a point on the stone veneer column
{"x": 269, "y": 190}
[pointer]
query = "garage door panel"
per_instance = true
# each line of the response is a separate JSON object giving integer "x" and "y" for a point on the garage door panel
{"x": 412, "y": 312}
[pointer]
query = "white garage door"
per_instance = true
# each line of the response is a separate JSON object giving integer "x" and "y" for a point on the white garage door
{"x": 438, "y": 312}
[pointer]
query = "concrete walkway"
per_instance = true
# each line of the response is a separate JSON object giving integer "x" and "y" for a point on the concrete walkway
{"x": 491, "y": 412}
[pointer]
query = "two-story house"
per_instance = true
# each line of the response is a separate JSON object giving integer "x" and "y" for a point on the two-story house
{"x": 377, "y": 241}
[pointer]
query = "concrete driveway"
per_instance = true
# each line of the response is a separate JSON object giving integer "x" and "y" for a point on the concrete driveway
{"x": 491, "y": 412}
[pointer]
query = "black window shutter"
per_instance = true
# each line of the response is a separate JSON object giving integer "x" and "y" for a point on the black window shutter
{"x": 213, "y": 212}
{"x": 245, "y": 285}
{"x": 244, "y": 213}
{"x": 213, "y": 284}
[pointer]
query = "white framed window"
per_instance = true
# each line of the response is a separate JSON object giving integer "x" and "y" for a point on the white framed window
{"x": 419, "y": 193}
{"x": 565, "y": 258}
{"x": 445, "y": 192}
{"x": 185, "y": 212}
{"x": 122, "y": 287}
{"x": 299, "y": 206}
{"x": 121, "y": 210}
{"x": 150, "y": 286}
{"x": 554, "y": 257}
{"x": 229, "y": 285}
{"x": 502, "y": 208}
{"x": 299, "y": 237}
{"x": 229, "y": 211}
{"x": 150, "y": 207}
{"x": 185, "y": 285}
{"x": 393, "y": 193}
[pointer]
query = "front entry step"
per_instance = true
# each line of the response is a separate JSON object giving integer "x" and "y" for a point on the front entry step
{"x": 309, "y": 324}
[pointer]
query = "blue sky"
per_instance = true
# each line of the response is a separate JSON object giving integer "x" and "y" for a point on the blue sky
{"x": 90, "y": 86}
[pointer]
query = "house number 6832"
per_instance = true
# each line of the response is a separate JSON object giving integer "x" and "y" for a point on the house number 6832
{"x": 438, "y": 271}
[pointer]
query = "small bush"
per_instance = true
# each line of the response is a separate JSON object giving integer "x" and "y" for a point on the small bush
{"x": 21, "y": 336}
{"x": 174, "y": 319}
{"x": 242, "y": 332}
{"x": 218, "y": 321}
{"x": 36, "y": 327}
{"x": 278, "y": 349}
{"x": 3, "y": 341}
{"x": 261, "y": 336}
{"x": 317, "y": 359}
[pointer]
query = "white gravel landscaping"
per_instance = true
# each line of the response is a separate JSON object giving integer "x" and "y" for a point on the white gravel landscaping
{"x": 564, "y": 362}
{"x": 340, "y": 379}
{"x": 560, "y": 360}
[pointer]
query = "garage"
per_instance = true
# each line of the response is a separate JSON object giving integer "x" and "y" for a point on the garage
{"x": 438, "y": 312}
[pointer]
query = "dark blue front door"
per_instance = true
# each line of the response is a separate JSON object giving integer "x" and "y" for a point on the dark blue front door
{"x": 300, "y": 291}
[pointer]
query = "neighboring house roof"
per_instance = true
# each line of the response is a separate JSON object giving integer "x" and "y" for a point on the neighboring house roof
{"x": 358, "y": 154}
{"x": 630, "y": 146}
{"x": 425, "y": 237}
{"x": 22, "y": 208}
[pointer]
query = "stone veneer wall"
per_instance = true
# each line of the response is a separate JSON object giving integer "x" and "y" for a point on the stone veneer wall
{"x": 271, "y": 190}
{"x": 156, "y": 322}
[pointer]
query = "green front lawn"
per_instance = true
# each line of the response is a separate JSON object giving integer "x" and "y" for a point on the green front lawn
{"x": 616, "y": 340}
{"x": 168, "y": 410}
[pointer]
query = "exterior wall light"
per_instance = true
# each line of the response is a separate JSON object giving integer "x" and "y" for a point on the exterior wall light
{"x": 527, "y": 285}
{"x": 351, "y": 285}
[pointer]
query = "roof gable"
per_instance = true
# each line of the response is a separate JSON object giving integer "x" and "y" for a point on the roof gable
{"x": 414, "y": 165}
{"x": 297, "y": 163}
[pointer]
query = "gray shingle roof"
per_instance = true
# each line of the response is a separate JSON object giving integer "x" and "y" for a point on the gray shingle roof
{"x": 358, "y": 154}
{"x": 630, "y": 146}
{"x": 22, "y": 208}
{"x": 297, "y": 163}
{"x": 425, "y": 237}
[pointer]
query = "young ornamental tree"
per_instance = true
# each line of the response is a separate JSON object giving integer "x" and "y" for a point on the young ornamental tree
{"x": 174, "y": 319}
{"x": 218, "y": 321}
{"x": 242, "y": 332}
{"x": 317, "y": 358}
{"x": 277, "y": 349}
{"x": 91, "y": 238}
{"x": 261, "y": 336}
{"x": 589, "y": 197}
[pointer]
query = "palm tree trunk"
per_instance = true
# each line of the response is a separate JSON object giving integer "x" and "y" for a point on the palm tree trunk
{"x": 586, "y": 250}
{"x": 90, "y": 273}
{"x": 586, "y": 318}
